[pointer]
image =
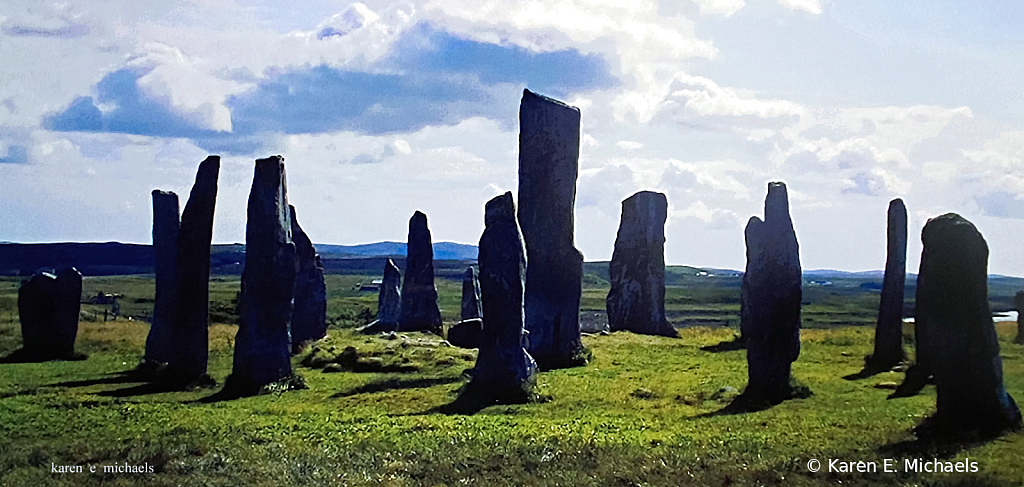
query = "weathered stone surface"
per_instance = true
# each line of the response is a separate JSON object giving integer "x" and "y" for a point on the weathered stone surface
{"x": 889, "y": 330}
{"x": 549, "y": 141}
{"x": 772, "y": 291}
{"x": 165, "y": 249}
{"x": 419, "y": 296}
{"x": 636, "y": 301}
{"x": 956, "y": 338}
{"x": 48, "y": 307}
{"x": 1018, "y": 302}
{"x": 504, "y": 369}
{"x": 470, "y": 295}
{"x": 389, "y": 301}
{"x": 309, "y": 316}
{"x": 466, "y": 333}
{"x": 190, "y": 330}
{"x": 268, "y": 283}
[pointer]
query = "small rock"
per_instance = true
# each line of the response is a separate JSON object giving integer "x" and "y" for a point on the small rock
{"x": 887, "y": 385}
{"x": 391, "y": 336}
{"x": 642, "y": 393}
{"x": 604, "y": 333}
{"x": 845, "y": 354}
{"x": 329, "y": 368}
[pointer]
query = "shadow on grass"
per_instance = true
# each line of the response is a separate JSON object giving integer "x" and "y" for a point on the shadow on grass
{"x": 22, "y": 356}
{"x": 737, "y": 343}
{"x": 913, "y": 382}
{"x": 930, "y": 443}
{"x": 236, "y": 389}
{"x": 392, "y": 384}
{"x": 750, "y": 402}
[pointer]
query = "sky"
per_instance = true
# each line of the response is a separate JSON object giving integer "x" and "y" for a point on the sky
{"x": 384, "y": 108}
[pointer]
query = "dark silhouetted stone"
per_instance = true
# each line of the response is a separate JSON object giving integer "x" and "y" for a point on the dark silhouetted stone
{"x": 889, "y": 330}
{"x": 504, "y": 370}
{"x": 772, "y": 291}
{"x": 309, "y": 316}
{"x": 419, "y": 296}
{"x": 1018, "y": 302}
{"x": 636, "y": 301}
{"x": 389, "y": 301}
{"x": 955, "y": 335}
{"x": 48, "y": 307}
{"x": 466, "y": 333}
{"x": 549, "y": 141}
{"x": 165, "y": 250}
{"x": 262, "y": 345}
{"x": 190, "y": 330}
{"x": 470, "y": 295}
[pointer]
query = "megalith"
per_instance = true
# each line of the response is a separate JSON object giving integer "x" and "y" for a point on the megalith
{"x": 309, "y": 316}
{"x": 165, "y": 250}
{"x": 889, "y": 329}
{"x": 48, "y": 306}
{"x": 470, "y": 295}
{"x": 389, "y": 301}
{"x": 504, "y": 370}
{"x": 419, "y": 311}
{"x": 466, "y": 333}
{"x": 262, "y": 345}
{"x": 956, "y": 336}
{"x": 191, "y": 314}
{"x": 636, "y": 301}
{"x": 1018, "y": 303}
{"x": 772, "y": 291}
{"x": 549, "y": 142}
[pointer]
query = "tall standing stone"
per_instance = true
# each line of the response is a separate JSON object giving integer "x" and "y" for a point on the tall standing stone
{"x": 166, "y": 223}
{"x": 1018, "y": 303}
{"x": 262, "y": 352}
{"x": 190, "y": 329}
{"x": 549, "y": 142}
{"x": 48, "y": 306}
{"x": 419, "y": 296}
{"x": 471, "y": 306}
{"x": 636, "y": 301}
{"x": 772, "y": 294}
{"x": 504, "y": 370}
{"x": 309, "y": 317}
{"x": 956, "y": 337}
{"x": 889, "y": 330}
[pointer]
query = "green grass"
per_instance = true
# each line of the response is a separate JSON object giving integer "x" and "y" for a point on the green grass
{"x": 642, "y": 413}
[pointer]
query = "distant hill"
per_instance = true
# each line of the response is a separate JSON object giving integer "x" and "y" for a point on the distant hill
{"x": 442, "y": 250}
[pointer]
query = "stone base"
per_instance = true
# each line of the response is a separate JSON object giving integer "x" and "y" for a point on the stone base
{"x": 466, "y": 334}
{"x": 757, "y": 400}
{"x": 235, "y": 388}
{"x": 578, "y": 359}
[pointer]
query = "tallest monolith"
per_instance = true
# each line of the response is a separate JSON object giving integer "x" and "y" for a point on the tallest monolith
{"x": 889, "y": 330}
{"x": 549, "y": 148}
{"x": 772, "y": 291}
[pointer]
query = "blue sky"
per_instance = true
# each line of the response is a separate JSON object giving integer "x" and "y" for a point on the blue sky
{"x": 384, "y": 108}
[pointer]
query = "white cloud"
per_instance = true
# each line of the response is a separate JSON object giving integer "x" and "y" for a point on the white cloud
{"x": 719, "y": 7}
{"x": 811, "y": 6}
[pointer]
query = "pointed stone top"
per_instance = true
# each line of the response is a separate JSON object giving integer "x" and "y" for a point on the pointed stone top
{"x": 776, "y": 204}
{"x": 277, "y": 158}
{"x": 531, "y": 97}
{"x": 897, "y": 202}
{"x": 499, "y": 208}
{"x": 646, "y": 194}
{"x": 163, "y": 194}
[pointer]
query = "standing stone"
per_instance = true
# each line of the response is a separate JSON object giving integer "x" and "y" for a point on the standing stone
{"x": 470, "y": 295}
{"x": 389, "y": 301}
{"x": 466, "y": 333}
{"x": 165, "y": 250}
{"x": 309, "y": 317}
{"x": 504, "y": 370}
{"x": 889, "y": 330}
{"x": 190, "y": 328}
{"x": 48, "y": 306}
{"x": 1018, "y": 302}
{"x": 772, "y": 294}
{"x": 636, "y": 301}
{"x": 956, "y": 337}
{"x": 419, "y": 296}
{"x": 549, "y": 142}
{"x": 262, "y": 344}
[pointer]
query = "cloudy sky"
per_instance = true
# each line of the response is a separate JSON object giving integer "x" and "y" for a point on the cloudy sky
{"x": 383, "y": 108}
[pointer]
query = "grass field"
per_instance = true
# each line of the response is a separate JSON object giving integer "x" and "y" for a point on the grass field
{"x": 642, "y": 413}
